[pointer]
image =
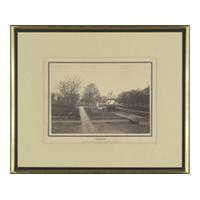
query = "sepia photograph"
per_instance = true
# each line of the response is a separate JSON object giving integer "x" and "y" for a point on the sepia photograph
{"x": 100, "y": 98}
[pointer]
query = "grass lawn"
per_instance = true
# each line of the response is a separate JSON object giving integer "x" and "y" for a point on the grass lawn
{"x": 103, "y": 122}
{"x": 115, "y": 126}
{"x": 66, "y": 127}
{"x": 108, "y": 122}
{"x": 98, "y": 115}
{"x": 121, "y": 127}
{"x": 61, "y": 112}
{"x": 133, "y": 111}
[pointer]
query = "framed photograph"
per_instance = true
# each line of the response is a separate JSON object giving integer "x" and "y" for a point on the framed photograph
{"x": 100, "y": 99}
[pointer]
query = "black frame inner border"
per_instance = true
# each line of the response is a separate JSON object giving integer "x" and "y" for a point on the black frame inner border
{"x": 101, "y": 170}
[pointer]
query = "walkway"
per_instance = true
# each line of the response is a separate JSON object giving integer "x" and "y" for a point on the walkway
{"x": 86, "y": 124}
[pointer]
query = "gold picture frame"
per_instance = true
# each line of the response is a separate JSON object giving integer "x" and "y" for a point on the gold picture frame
{"x": 183, "y": 30}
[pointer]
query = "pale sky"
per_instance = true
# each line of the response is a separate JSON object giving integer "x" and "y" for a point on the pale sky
{"x": 115, "y": 77}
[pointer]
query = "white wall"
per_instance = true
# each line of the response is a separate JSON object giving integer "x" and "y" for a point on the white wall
{"x": 98, "y": 186}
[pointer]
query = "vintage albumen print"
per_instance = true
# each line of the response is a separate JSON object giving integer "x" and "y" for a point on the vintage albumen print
{"x": 100, "y": 99}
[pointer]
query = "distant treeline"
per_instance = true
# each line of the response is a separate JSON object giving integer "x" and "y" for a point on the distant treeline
{"x": 135, "y": 98}
{"x": 69, "y": 95}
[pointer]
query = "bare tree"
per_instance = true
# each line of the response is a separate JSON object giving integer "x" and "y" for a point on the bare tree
{"x": 69, "y": 90}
